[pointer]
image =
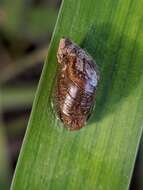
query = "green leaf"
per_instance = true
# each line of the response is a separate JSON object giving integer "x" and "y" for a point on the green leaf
{"x": 100, "y": 156}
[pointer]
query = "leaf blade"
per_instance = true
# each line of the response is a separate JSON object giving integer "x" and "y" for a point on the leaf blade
{"x": 92, "y": 157}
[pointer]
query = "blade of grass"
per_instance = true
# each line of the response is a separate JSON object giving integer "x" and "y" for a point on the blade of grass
{"x": 101, "y": 155}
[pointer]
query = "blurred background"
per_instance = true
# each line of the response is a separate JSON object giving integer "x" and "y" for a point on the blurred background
{"x": 26, "y": 27}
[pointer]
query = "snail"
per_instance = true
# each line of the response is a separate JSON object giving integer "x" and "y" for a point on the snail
{"x": 76, "y": 85}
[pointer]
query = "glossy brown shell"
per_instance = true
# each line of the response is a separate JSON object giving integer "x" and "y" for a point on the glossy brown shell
{"x": 76, "y": 85}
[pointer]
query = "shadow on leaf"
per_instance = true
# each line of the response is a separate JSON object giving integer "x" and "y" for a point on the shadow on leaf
{"x": 120, "y": 63}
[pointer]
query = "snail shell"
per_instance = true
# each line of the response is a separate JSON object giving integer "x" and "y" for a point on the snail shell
{"x": 76, "y": 85}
